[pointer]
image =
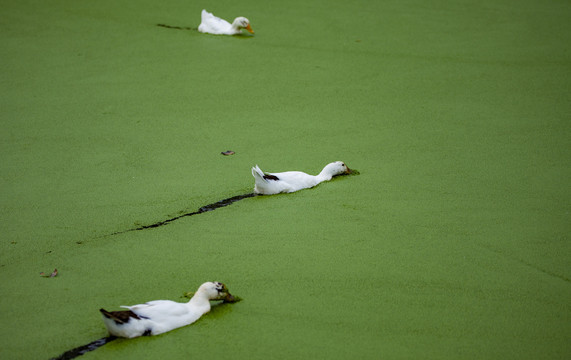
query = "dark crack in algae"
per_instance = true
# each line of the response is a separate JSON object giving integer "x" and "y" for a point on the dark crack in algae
{"x": 203, "y": 209}
{"x": 80, "y": 350}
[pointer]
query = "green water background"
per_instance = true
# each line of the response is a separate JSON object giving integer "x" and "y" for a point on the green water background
{"x": 453, "y": 242}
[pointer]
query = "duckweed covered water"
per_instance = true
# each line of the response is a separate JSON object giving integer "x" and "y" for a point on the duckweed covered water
{"x": 452, "y": 243}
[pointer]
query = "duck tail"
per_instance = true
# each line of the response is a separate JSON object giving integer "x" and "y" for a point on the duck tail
{"x": 257, "y": 173}
{"x": 111, "y": 315}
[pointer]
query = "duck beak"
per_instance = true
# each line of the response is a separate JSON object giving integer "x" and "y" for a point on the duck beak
{"x": 349, "y": 171}
{"x": 249, "y": 28}
{"x": 229, "y": 298}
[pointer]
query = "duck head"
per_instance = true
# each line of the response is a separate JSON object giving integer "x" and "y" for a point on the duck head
{"x": 334, "y": 169}
{"x": 242, "y": 23}
{"x": 214, "y": 290}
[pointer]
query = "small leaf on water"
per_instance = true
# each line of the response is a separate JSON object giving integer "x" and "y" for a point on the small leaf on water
{"x": 229, "y": 152}
{"x": 53, "y": 274}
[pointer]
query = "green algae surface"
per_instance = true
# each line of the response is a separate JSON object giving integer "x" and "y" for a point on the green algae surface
{"x": 452, "y": 242}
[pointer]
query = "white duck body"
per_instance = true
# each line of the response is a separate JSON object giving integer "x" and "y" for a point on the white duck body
{"x": 211, "y": 24}
{"x": 159, "y": 316}
{"x": 290, "y": 181}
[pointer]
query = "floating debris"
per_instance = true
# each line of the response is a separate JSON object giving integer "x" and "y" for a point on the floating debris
{"x": 53, "y": 274}
{"x": 229, "y": 152}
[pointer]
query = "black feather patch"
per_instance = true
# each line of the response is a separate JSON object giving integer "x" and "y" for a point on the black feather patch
{"x": 120, "y": 317}
{"x": 270, "y": 177}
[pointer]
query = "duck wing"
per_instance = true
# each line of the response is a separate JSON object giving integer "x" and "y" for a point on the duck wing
{"x": 213, "y": 24}
{"x": 158, "y": 307}
{"x": 297, "y": 179}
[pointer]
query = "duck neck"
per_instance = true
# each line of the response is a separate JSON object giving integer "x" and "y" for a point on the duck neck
{"x": 200, "y": 301}
{"x": 324, "y": 175}
{"x": 236, "y": 27}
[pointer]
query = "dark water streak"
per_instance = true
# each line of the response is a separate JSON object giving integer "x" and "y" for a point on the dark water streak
{"x": 203, "y": 209}
{"x": 80, "y": 350}
{"x": 177, "y": 27}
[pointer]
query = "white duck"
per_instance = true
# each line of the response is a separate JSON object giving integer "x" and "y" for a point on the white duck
{"x": 214, "y": 25}
{"x": 159, "y": 316}
{"x": 290, "y": 181}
